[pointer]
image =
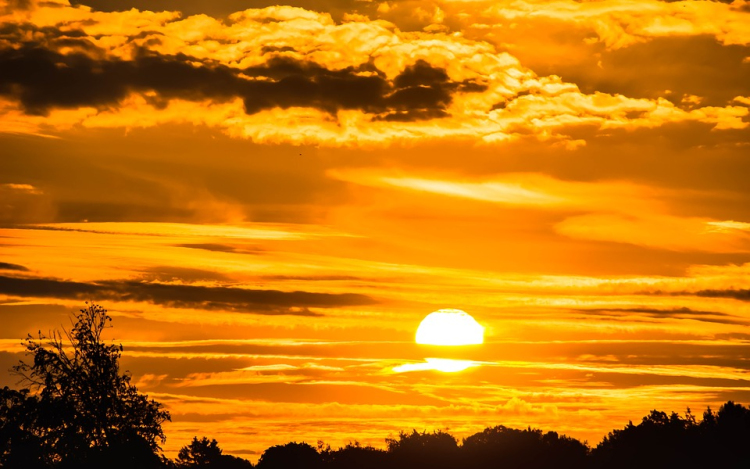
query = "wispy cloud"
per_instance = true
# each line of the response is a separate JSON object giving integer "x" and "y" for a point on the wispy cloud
{"x": 271, "y": 302}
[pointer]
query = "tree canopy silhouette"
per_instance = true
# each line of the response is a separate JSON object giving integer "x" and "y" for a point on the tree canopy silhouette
{"x": 290, "y": 456}
{"x": 719, "y": 440}
{"x": 205, "y": 453}
{"x": 527, "y": 449}
{"x": 355, "y": 455}
{"x": 80, "y": 408}
{"x": 435, "y": 450}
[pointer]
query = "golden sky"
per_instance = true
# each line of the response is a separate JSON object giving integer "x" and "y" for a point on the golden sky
{"x": 270, "y": 198}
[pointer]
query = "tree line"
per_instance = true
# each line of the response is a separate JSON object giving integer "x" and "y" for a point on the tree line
{"x": 79, "y": 411}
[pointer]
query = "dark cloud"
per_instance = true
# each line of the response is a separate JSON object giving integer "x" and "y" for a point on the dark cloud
{"x": 216, "y": 247}
{"x": 675, "y": 313}
{"x": 13, "y": 5}
{"x": 42, "y": 79}
{"x": 313, "y": 278}
{"x": 181, "y": 274}
{"x": 93, "y": 211}
{"x": 654, "y": 311}
{"x": 271, "y": 302}
{"x": 738, "y": 294}
{"x": 677, "y": 66}
{"x": 733, "y": 336}
{"x": 7, "y": 266}
{"x": 223, "y": 8}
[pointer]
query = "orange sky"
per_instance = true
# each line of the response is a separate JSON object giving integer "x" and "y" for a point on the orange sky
{"x": 269, "y": 200}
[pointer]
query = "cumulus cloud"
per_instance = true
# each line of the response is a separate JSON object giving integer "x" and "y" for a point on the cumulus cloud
{"x": 42, "y": 79}
{"x": 621, "y": 24}
{"x": 362, "y": 81}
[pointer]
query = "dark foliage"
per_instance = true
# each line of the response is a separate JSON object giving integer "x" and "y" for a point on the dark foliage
{"x": 205, "y": 453}
{"x": 720, "y": 440}
{"x": 80, "y": 410}
{"x": 435, "y": 450}
{"x": 291, "y": 456}
{"x": 527, "y": 449}
{"x": 355, "y": 456}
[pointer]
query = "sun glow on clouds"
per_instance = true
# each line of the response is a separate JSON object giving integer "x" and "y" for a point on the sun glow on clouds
{"x": 445, "y": 365}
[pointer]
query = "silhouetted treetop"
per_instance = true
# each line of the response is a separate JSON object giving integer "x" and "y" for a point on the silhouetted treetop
{"x": 290, "y": 456}
{"x": 355, "y": 455}
{"x": 719, "y": 440}
{"x": 528, "y": 448}
{"x": 205, "y": 453}
{"x": 435, "y": 450}
{"x": 82, "y": 405}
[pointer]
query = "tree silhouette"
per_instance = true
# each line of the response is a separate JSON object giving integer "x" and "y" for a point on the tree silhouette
{"x": 290, "y": 456}
{"x": 719, "y": 440}
{"x": 730, "y": 434}
{"x": 355, "y": 456}
{"x": 435, "y": 450}
{"x": 528, "y": 449}
{"x": 19, "y": 442}
{"x": 199, "y": 453}
{"x": 84, "y": 410}
{"x": 205, "y": 453}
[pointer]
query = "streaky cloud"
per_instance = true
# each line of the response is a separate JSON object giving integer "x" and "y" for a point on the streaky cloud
{"x": 268, "y": 302}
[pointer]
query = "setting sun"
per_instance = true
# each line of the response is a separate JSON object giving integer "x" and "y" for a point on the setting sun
{"x": 449, "y": 327}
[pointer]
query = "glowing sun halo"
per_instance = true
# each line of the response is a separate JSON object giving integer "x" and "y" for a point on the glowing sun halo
{"x": 449, "y": 327}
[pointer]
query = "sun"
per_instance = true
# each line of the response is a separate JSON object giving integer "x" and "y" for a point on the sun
{"x": 449, "y": 327}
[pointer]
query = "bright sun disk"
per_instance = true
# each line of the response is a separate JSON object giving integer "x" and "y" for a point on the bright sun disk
{"x": 449, "y": 327}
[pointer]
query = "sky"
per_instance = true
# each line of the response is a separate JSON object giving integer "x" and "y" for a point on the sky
{"x": 269, "y": 199}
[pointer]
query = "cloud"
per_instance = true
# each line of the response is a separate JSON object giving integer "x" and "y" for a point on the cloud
{"x": 621, "y": 24}
{"x": 217, "y": 247}
{"x": 42, "y": 79}
{"x": 255, "y": 231}
{"x": 656, "y": 230}
{"x": 614, "y": 211}
{"x": 675, "y": 313}
{"x": 21, "y": 203}
{"x": 526, "y": 189}
{"x": 738, "y": 294}
{"x": 269, "y": 302}
{"x": 358, "y": 82}
{"x": 170, "y": 274}
{"x": 7, "y": 266}
{"x": 24, "y": 188}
